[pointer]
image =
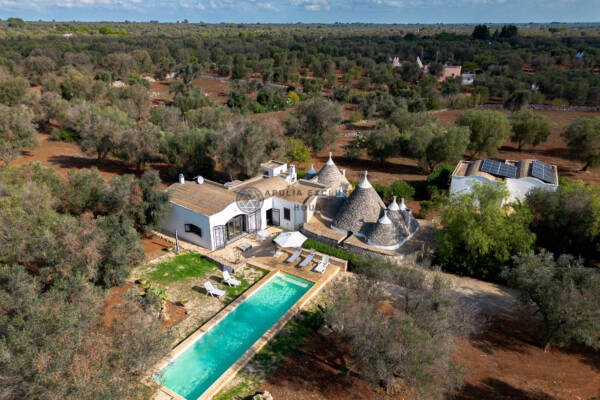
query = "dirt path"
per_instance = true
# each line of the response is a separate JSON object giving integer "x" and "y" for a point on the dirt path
{"x": 489, "y": 298}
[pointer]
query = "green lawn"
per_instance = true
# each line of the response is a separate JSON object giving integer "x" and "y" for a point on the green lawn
{"x": 194, "y": 265}
{"x": 183, "y": 266}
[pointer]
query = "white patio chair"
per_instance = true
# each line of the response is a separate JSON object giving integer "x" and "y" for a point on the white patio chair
{"x": 230, "y": 280}
{"x": 322, "y": 265}
{"x": 212, "y": 290}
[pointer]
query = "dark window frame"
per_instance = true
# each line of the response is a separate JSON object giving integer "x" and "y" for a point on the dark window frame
{"x": 195, "y": 229}
{"x": 287, "y": 214}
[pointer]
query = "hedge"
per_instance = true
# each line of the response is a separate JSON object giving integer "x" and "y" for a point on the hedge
{"x": 352, "y": 259}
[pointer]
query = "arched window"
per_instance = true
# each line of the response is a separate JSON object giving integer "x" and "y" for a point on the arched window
{"x": 193, "y": 229}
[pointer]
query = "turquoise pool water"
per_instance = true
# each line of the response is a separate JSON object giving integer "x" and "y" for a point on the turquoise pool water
{"x": 194, "y": 370}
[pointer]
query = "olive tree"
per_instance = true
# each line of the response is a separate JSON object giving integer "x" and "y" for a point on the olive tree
{"x": 383, "y": 142}
{"x": 583, "y": 139}
{"x": 16, "y": 131}
{"x": 529, "y": 129}
{"x": 102, "y": 130}
{"x": 479, "y": 234}
{"x": 489, "y": 130}
{"x": 139, "y": 145}
{"x": 433, "y": 144}
{"x": 565, "y": 295}
{"x": 402, "y": 341}
{"x": 315, "y": 122}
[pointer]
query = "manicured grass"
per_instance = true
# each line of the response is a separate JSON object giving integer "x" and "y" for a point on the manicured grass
{"x": 183, "y": 266}
{"x": 194, "y": 265}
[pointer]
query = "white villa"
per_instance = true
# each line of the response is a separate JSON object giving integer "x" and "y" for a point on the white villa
{"x": 211, "y": 215}
{"x": 519, "y": 176}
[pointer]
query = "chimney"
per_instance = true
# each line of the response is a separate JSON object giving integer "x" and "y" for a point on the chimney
{"x": 292, "y": 176}
{"x": 181, "y": 179}
{"x": 199, "y": 180}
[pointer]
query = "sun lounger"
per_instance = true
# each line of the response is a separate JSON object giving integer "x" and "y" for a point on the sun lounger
{"x": 294, "y": 256}
{"x": 322, "y": 265}
{"x": 307, "y": 260}
{"x": 212, "y": 290}
{"x": 230, "y": 280}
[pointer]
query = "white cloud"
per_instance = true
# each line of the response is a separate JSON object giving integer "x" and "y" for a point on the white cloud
{"x": 312, "y": 5}
{"x": 266, "y": 6}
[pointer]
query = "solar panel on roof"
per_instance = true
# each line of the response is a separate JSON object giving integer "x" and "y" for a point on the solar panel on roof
{"x": 498, "y": 168}
{"x": 542, "y": 171}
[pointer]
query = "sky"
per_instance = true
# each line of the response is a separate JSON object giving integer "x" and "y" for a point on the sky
{"x": 310, "y": 11}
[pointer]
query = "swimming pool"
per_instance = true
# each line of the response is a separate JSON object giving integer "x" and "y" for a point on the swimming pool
{"x": 199, "y": 365}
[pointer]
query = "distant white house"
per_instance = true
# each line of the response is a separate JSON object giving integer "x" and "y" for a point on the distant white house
{"x": 520, "y": 176}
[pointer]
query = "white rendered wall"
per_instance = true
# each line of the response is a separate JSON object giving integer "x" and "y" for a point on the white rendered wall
{"x": 464, "y": 184}
{"x": 518, "y": 188}
{"x": 297, "y": 213}
{"x": 178, "y": 216}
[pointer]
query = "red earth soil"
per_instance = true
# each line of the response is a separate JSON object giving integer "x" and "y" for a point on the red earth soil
{"x": 505, "y": 362}
{"x": 154, "y": 247}
{"x": 64, "y": 157}
{"x": 216, "y": 90}
{"x": 116, "y": 300}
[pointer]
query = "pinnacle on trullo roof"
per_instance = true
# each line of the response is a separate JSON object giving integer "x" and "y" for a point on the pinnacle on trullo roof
{"x": 365, "y": 184}
{"x": 312, "y": 171}
{"x": 330, "y": 176}
{"x": 330, "y": 161}
{"x": 402, "y": 204}
{"x": 384, "y": 219}
{"x": 393, "y": 205}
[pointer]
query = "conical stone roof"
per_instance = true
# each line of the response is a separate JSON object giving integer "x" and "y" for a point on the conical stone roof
{"x": 402, "y": 217}
{"x": 384, "y": 233}
{"x": 311, "y": 172}
{"x": 331, "y": 176}
{"x": 362, "y": 206}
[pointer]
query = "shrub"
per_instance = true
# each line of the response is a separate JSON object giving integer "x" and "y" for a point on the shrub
{"x": 479, "y": 235}
{"x": 565, "y": 294}
{"x": 399, "y": 188}
{"x": 441, "y": 176}
{"x": 326, "y": 249}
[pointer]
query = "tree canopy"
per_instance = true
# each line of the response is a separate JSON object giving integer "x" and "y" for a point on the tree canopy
{"x": 488, "y": 130}
{"x": 479, "y": 234}
{"x": 315, "y": 122}
{"x": 565, "y": 294}
{"x": 583, "y": 138}
{"x": 529, "y": 129}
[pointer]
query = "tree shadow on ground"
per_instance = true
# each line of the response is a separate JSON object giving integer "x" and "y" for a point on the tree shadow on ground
{"x": 515, "y": 333}
{"x": 495, "y": 389}
{"x": 375, "y": 166}
{"x": 504, "y": 332}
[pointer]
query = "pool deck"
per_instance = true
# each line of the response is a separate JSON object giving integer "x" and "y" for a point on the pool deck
{"x": 274, "y": 265}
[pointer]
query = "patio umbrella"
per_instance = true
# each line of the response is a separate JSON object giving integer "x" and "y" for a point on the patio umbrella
{"x": 290, "y": 239}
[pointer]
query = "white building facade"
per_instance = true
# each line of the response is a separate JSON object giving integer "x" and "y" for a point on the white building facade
{"x": 209, "y": 214}
{"x": 467, "y": 174}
